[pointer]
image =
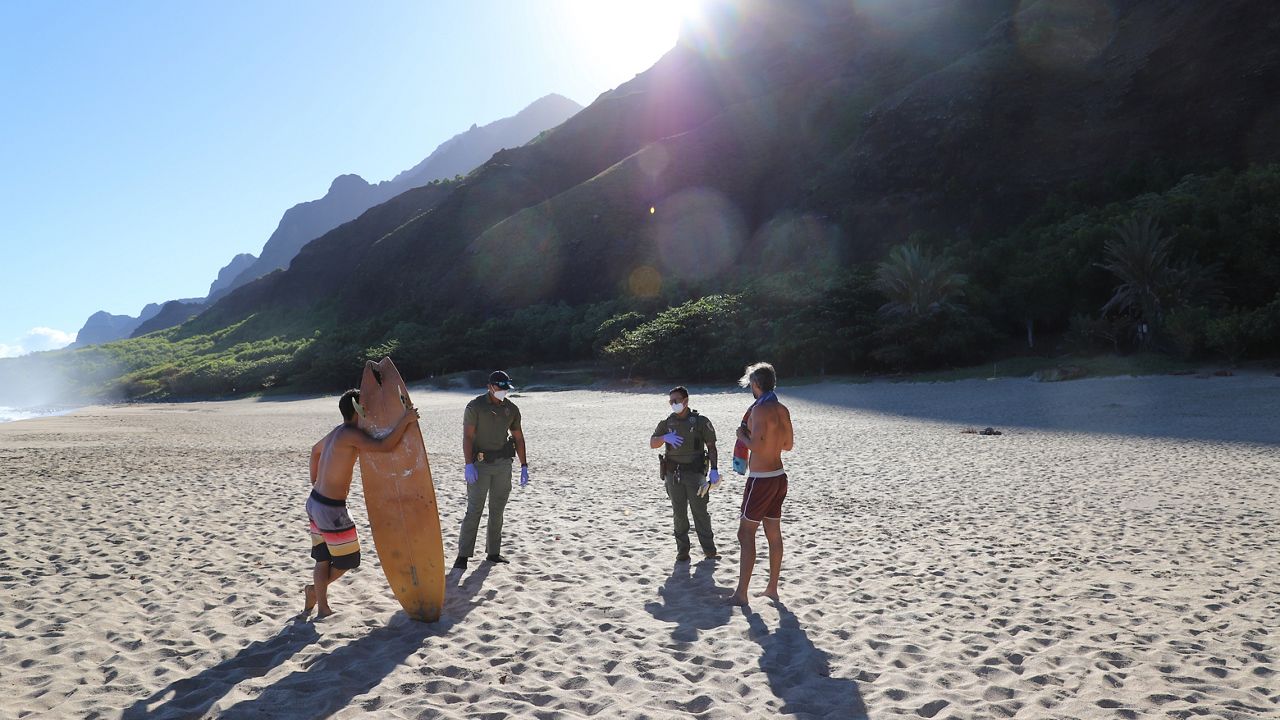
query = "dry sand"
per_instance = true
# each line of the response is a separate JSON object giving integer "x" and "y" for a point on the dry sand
{"x": 1114, "y": 554}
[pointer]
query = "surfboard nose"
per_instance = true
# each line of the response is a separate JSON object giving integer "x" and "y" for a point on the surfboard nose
{"x": 380, "y": 367}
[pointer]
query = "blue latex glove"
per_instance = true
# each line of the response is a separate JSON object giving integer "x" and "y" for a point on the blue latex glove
{"x": 524, "y": 475}
{"x": 712, "y": 480}
{"x": 470, "y": 473}
{"x": 673, "y": 439}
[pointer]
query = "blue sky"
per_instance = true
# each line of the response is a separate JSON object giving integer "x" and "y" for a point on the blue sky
{"x": 145, "y": 143}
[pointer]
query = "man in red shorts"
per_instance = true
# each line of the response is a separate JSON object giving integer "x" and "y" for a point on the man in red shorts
{"x": 766, "y": 433}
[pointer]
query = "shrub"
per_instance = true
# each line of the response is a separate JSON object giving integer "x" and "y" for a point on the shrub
{"x": 1186, "y": 330}
{"x": 1087, "y": 334}
{"x": 698, "y": 339}
{"x": 946, "y": 337}
{"x": 613, "y": 328}
{"x": 1232, "y": 334}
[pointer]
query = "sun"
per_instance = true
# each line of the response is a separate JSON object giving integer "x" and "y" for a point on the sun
{"x": 626, "y": 37}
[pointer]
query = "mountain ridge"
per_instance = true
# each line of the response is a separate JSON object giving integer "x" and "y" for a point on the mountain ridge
{"x": 778, "y": 155}
{"x": 347, "y": 197}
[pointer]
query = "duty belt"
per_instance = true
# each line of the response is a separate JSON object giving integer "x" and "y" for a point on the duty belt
{"x": 491, "y": 456}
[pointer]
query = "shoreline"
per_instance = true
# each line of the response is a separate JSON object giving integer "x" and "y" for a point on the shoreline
{"x": 648, "y": 386}
{"x": 18, "y": 414}
{"x": 592, "y": 376}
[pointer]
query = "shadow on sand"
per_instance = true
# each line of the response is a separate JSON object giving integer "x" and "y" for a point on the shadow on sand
{"x": 799, "y": 673}
{"x": 1232, "y": 409}
{"x": 693, "y": 602}
{"x": 345, "y": 673}
{"x": 193, "y": 696}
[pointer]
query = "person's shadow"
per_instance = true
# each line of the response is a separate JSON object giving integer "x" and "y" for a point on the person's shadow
{"x": 345, "y": 673}
{"x": 799, "y": 673}
{"x": 693, "y": 602}
{"x": 193, "y": 696}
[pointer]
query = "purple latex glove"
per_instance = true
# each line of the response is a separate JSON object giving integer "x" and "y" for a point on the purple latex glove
{"x": 712, "y": 480}
{"x": 470, "y": 473}
{"x": 524, "y": 475}
{"x": 673, "y": 439}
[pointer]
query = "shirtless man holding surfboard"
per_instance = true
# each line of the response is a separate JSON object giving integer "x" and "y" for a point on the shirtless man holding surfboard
{"x": 334, "y": 545}
{"x": 766, "y": 433}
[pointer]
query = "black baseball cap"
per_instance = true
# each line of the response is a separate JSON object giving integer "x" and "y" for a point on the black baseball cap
{"x": 500, "y": 379}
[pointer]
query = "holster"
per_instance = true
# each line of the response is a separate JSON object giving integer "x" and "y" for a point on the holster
{"x": 663, "y": 467}
{"x": 506, "y": 452}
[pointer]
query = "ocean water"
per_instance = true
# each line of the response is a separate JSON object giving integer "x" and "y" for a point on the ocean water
{"x": 10, "y": 414}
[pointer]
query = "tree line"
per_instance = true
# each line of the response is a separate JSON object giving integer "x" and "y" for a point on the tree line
{"x": 1191, "y": 271}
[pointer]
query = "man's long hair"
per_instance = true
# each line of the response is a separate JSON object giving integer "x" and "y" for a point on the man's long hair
{"x": 762, "y": 374}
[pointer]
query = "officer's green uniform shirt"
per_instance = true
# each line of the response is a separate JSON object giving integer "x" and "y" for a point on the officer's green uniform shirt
{"x": 492, "y": 422}
{"x": 691, "y": 428}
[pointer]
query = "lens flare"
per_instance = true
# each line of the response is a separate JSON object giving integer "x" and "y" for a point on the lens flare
{"x": 699, "y": 234}
{"x": 798, "y": 241}
{"x": 653, "y": 160}
{"x": 645, "y": 282}
{"x": 519, "y": 259}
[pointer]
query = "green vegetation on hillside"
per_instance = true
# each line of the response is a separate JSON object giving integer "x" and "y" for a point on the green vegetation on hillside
{"x": 1197, "y": 262}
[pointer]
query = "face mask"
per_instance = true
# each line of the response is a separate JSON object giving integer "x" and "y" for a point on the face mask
{"x": 500, "y": 395}
{"x": 677, "y": 407}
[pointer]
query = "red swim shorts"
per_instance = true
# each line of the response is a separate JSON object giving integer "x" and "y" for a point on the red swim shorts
{"x": 762, "y": 498}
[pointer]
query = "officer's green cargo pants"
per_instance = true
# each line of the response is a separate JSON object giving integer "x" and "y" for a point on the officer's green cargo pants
{"x": 682, "y": 488}
{"x": 494, "y": 481}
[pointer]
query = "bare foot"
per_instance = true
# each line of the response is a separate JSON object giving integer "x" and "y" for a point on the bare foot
{"x": 324, "y": 612}
{"x": 771, "y": 593}
{"x": 738, "y": 600}
{"x": 308, "y": 598}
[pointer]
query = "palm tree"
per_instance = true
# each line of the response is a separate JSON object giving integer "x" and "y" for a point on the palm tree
{"x": 917, "y": 283}
{"x": 1151, "y": 283}
{"x": 1139, "y": 258}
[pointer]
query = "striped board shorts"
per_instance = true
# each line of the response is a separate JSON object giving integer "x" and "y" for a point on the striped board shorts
{"x": 333, "y": 534}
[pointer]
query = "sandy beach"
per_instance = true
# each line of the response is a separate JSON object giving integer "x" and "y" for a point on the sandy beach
{"x": 1114, "y": 554}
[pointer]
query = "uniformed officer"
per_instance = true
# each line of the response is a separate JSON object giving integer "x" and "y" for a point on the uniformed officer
{"x": 491, "y": 437}
{"x": 690, "y": 441}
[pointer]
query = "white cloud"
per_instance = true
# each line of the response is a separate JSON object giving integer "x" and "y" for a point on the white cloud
{"x": 37, "y": 339}
{"x": 43, "y": 338}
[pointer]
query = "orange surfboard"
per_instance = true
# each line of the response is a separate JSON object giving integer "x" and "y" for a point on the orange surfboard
{"x": 400, "y": 499}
